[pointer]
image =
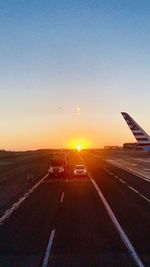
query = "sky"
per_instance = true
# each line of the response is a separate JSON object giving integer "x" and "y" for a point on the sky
{"x": 67, "y": 70}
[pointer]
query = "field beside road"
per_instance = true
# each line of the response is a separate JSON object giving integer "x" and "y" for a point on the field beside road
{"x": 15, "y": 167}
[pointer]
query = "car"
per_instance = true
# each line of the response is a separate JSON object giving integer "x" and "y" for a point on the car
{"x": 79, "y": 170}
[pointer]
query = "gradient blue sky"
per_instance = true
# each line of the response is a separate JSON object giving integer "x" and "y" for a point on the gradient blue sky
{"x": 56, "y": 55}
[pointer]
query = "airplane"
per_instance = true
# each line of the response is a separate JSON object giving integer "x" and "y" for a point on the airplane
{"x": 142, "y": 138}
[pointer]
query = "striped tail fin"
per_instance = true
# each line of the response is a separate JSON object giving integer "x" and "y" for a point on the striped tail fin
{"x": 143, "y": 139}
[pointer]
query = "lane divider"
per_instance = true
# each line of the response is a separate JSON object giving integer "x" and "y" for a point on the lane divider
{"x": 48, "y": 249}
{"x": 121, "y": 232}
{"x": 147, "y": 199}
{"x": 130, "y": 187}
{"x": 62, "y": 197}
{"x": 130, "y": 171}
{"x": 17, "y": 204}
{"x": 122, "y": 181}
{"x": 118, "y": 227}
{"x": 133, "y": 189}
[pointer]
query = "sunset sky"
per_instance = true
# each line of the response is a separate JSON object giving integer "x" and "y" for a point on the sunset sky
{"x": 67, "y": 70}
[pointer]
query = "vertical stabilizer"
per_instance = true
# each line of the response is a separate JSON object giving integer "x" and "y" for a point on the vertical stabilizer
{"x": 142, "y": 138}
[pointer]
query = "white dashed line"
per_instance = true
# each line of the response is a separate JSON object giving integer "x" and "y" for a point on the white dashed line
{"x": 130, "y": 187}
{"x": 121, "y": 232}
{"x": 62, "y": 197}
{"x": 49, "y": 249}
{"x": 118, "y": 227}
{"x": 147, "y": 199}
{"x": 130, "y": 171}
{"x": 122, "y": 181}
{"x": 133, "y": 189}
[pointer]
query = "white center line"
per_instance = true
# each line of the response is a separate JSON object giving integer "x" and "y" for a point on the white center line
{"x": 62, "y": 197}
{"x": 49, "y": 249}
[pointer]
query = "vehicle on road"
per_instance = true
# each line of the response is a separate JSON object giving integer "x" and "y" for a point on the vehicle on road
{"x": 57, "y": 168}
{"x": 79, "y": 170}
{"x": 58, "y": 164}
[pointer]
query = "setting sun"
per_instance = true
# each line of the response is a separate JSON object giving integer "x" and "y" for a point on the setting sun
{"x": 79, "y": 147}
{"x": 79, "y": 144}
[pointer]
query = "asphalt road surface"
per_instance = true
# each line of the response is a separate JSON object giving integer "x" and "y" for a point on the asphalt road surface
{"x": 64, "y": 223}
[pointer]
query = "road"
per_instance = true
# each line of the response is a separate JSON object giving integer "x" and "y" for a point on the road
{"x": 65, "y": 222}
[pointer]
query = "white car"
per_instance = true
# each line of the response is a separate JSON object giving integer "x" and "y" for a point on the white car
{"x": 79, "y": 170}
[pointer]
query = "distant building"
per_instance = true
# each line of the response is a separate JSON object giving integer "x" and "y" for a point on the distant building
{"x": 133, "y": 146}
{"x": 112, "y": 147}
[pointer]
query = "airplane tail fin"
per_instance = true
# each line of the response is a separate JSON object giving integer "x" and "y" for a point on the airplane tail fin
{"x": 142, "y": 138}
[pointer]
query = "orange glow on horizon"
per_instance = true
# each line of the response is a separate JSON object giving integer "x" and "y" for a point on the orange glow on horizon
{"x": 79, "y": 144}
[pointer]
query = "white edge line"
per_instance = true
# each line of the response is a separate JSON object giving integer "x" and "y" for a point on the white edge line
{"x": 122, "y": 234}
{"x": 48, "y": 249}
{"x": 16, "y": 205}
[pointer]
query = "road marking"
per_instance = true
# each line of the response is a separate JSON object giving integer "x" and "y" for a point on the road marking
{"x": 62, "y": 197}
{"x": 146, "y": 169}
{"x": 129, "y": 171}
{"x": 16, "y": 205}
{"x": 147, "y": 199}
{"x": 122, "y": 181}
{"x": 133, "y": 189}
{"x": 49, "y": 249}
{"x": 121, "y": 232}
{"x": 118, "y": 227}
{"x": 115, "y": 176}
